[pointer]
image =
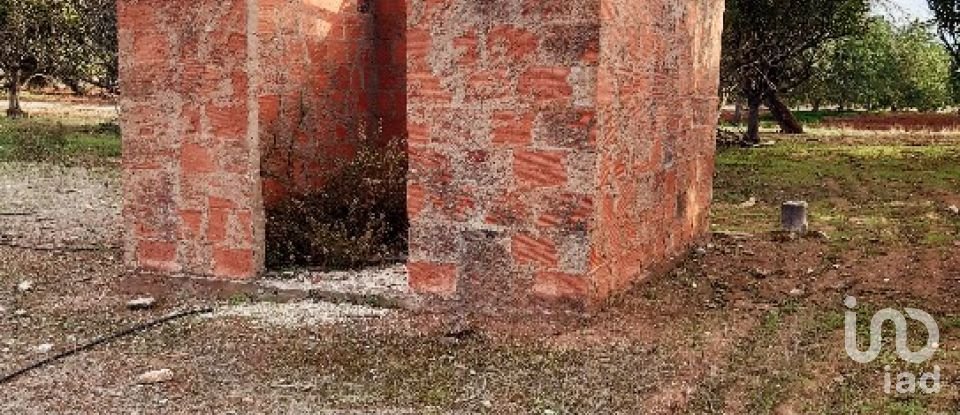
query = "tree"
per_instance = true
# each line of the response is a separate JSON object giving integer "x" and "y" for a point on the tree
{"x": 770, "y": 48}
{"x": 55, "y": 38}
{"x": 947, "y": 15}
{"x": 95, "y": 34}
{"x": 884, "y": 66}
{"x": 863, "y": 67}
{"x": 923, "y": 70}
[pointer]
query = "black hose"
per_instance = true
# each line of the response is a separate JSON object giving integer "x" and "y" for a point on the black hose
{"x": 103, "y": 339}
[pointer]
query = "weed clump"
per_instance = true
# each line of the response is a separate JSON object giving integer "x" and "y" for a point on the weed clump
{"x": 356, "y": 219}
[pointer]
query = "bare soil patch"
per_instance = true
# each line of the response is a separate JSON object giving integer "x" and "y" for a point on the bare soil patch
{"x": 749, "y": 323}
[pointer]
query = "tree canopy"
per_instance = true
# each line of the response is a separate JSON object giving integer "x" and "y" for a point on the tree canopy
{"x": 771, "y": 46}
{"x": 68, "y": 40}
{"x": 886, "y": 66}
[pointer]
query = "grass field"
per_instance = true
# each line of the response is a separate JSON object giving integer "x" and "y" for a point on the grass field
{"x": 58, "y": 141}
{"x": 893, "y": 192}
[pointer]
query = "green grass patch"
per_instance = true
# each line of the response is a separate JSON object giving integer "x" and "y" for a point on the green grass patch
{"x": 67, "y": 141}
{"x": 857, "y": 193}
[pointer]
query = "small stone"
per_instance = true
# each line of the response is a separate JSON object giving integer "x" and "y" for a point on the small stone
{"x": 796, "y": 292}
{"x": 793, "y": 217}
{"x": 25, "y": 286}
{"x": 749, "y": 203}
{"x": 142, "y": 303}
{"x": 760, "y": 274}
{"x": 954, "y": 209}
{"x": 44, "y": 348}
{"x": 20, "y": 313}
{"x": 3, "y": 310}
{"x": 155, "y": 376}
{"x": 700, "y": 251}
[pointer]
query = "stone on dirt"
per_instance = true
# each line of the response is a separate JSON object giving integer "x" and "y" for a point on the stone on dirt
{"x": 793, "y": 216}
{"x": 25, "y": 286}
{"x": 954, "y": 209}
{"x": 142, "y": 303}
{"x": 155, "y": 376}
{"x": 44, "y": 348}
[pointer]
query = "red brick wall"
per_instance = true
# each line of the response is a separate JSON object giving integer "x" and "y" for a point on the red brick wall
{"x": 190, "y": 154}
{"x": 503, "y": 146}
{"x": 559, "y": 149}
{"x": 330, "y": 71}
{"x": 657, "y": 99}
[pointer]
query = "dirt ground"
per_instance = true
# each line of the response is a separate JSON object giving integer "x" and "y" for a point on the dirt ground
{"x": 749, "y": 323}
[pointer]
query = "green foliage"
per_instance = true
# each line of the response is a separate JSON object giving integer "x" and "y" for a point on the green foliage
{"x": 359, "y": 216}
{"x": 71, "y": 40}
{"x": 947, "y": 15}
{"x": 884, "y": 67}
{"x": 770, "y": 47}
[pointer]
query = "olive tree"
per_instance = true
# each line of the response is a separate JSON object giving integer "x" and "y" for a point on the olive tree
{"x": 771, "y": 47}
{"x": 59, "y": 39}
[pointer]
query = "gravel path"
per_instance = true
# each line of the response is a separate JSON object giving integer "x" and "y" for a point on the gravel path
{"x": 45, "y": 206}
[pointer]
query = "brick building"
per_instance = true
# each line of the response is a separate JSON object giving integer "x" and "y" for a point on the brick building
{"x": 559, "y": 149}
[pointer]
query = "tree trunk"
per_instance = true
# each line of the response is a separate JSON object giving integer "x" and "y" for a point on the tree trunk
{"x": 738, "y": 112}
{"x": 13, "y": 104}
{"x": 816, "y": 105}
{"x": 781, "y": 112}
{"x": 753, "y": 121}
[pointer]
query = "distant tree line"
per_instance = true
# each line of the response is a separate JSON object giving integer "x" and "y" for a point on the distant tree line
{"x": 778, "y": 54}
{"x": 883, "y": 67}
{"x": 68, "y": 41}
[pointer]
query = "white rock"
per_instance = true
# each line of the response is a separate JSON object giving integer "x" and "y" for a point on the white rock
{"x": 20, "y": 313}
{"x": 155, "y": 376}
{"x": 954, "y": 209}
{"x": 141, "y": 303}
{"x": 749, "y": 203}
{"x": 44, "y": 348}
{"x": 796, "y": 292}
{"x": 25, "y": 286}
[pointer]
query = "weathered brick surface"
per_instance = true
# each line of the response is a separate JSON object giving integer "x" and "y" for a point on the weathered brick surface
{"x": 594, "y": 121}
{"x": 657, "y": 104}
{"x": 559, "y": 149}
{"x": 333, "y": 72}
{"x": 191, "y": 162}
